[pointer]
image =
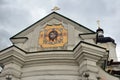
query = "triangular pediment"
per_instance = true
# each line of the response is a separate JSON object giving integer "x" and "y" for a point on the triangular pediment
{"x": 53, "y": 32}
{"x": 47, "y": 18}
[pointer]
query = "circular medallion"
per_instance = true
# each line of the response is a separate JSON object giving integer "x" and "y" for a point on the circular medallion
{"x": 53, "y": 35}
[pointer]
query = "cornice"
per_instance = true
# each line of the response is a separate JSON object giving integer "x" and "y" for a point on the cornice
{"x": 81, "y": 50}
{"x": 89, "y": 51}
{"x": 51, "y": 72}
{"x": 12, "y": 59}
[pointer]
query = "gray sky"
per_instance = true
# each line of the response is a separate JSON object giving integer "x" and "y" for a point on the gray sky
{"x": 16, "y": 15}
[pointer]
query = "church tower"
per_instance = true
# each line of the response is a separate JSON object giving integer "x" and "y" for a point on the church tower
{"x": 106, "y": 42}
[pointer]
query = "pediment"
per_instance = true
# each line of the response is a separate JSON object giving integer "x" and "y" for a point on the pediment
{"x": 48, "y": 18}
{"x": 53, "y": 32}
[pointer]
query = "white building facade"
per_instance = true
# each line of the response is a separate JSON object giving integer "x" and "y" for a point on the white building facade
{"x": 57, "y": 48}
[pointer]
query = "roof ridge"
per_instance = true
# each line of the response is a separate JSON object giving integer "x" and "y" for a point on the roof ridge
{"x": 46, "y": 17}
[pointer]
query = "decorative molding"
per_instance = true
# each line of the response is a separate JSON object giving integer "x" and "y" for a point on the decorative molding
{"x": 19, "y": 40}
{"x": 51, "y": 72}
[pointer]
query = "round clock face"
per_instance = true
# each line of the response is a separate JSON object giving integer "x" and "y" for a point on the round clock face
{"x": 53, "y": 35}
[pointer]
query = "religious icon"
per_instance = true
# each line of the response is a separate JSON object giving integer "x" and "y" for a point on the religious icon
{"x": 53, "y": 36}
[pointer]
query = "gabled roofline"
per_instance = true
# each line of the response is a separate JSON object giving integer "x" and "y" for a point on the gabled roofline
{"x": 76, "y": 23}
{"x": 30, "y": 26}
{"x": 19, "y": 38}
{"x": 6, "y": 48}
{"x": 87, "y": 33}
{"x": 46, "y": 17}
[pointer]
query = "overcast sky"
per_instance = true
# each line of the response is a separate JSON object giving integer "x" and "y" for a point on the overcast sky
{"x": 16, "y": 15}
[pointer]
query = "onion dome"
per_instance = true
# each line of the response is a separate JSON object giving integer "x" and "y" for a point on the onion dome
{"x": 100, "y": 32}
{"x": 100, "y": 36}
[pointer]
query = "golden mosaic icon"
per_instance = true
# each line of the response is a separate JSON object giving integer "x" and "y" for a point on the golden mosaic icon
{"x": 53, "y": 36}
